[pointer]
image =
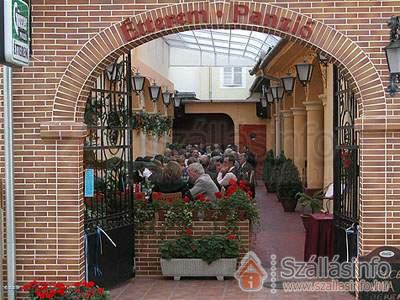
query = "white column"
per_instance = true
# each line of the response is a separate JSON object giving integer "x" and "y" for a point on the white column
{"x": 300, "y": 139}
{"x": 142, "y": 135}
{"x": 315, "y": 144}
{"x": 288, "y": 133}
{"x": 277, "y": 130}
{"x": 327, "y": 102}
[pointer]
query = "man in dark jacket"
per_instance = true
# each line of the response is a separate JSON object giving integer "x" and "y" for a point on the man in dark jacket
{"x": 246, "y": 171}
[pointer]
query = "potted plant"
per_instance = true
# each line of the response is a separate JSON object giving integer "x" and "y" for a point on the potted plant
{"x": 289, "y": 185}
{"x": 268, "y": 169}
{"x": 273, "y": 180}
{"x": 214, "y": 255}
{"x": 202, "y": 208}
{"x": 311, "y": 203}
{"x": 237, "y": 204}
{"x": 143, "y": 213}
{"x": 178, "y": 215}
{"x": 59, "y": 291}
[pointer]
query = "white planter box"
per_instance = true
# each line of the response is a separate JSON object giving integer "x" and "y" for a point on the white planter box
{"x": 195, "y": 267}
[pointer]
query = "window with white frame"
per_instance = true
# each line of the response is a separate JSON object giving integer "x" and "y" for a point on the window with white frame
{"x": 233, "y": 77}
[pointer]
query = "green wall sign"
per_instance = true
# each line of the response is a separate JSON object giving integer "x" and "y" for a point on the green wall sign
{"x": 15, "y": 33}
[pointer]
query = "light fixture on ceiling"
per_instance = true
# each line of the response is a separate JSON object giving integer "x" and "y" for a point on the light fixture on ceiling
{"x": 177, "y": 101}
{"x": 288, "y": 83}
{"x": 392, "y": 52}
{"x": 277, "y": 92}
{"x": 263, "y": 101}
{"x": 114, "y": 70}
{"x": 154, "y": 90}
{"x": 304, "y": 72}
{"x": 322, "y": 58}
{"x": 166, "y": 97}
{"x": 138, "y": 82}
{"x": 268, "y": 95}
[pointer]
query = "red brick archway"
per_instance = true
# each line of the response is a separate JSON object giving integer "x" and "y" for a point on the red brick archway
{"x": 103, "y": 48}
{"x": 109, "y": 44}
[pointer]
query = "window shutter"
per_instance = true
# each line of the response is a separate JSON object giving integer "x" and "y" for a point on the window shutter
{"x": 227, "y": 76}
{"x": 233, "y": 77}
{"x": 237, "y": 76}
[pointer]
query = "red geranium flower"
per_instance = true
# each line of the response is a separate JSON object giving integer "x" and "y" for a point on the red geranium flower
{"x": 201, "y": 197}
{"x": 59, "y": 286}
{"x": 100, "y": 291}
{"x": 189, "y": 232}
{"x": 186, "y": 199}
{"x": 139, "y": 196}
{"x": 232, "y": 182}
{"x": 243, "y": 185}
{"x": 156, "y": 196}
{"x": 232, "y": 237}
{"x": 231, "y": 190}
{"x": 218, "y": 195}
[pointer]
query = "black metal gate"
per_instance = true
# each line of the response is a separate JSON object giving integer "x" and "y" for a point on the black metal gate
{"x": 109, "y": 231}
{"x": 346, "y": 169}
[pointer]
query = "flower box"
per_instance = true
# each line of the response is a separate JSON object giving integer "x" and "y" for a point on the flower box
{"x": 196, "y": 267}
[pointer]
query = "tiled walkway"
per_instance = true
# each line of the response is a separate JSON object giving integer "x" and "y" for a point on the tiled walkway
{"x": 279, "y": 233}
{"x": 163, "y": 289}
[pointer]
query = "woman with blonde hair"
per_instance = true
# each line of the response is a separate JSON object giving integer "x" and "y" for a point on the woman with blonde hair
{"x": 171, "y": 179}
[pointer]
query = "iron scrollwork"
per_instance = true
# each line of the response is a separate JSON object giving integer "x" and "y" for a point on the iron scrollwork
{"x": 346, "y": 167}
{"x": 108, "y": 148}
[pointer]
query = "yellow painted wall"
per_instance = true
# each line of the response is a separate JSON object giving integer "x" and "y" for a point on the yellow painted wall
{"x": 284, "y": 63}
{"x": 142, "y": 144}
{"x": 241, "y": 113}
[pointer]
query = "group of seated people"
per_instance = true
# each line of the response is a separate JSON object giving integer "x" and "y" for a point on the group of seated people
{"x": 195, "y": 169}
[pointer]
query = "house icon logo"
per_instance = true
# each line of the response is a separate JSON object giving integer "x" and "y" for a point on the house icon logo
{"x": 251, "y": 275}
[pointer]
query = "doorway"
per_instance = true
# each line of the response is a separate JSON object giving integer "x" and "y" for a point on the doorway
{"x": 254, "y": 138}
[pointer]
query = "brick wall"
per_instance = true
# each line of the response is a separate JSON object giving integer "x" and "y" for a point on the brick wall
{"x": 147, "y": 245}
{"x": 73, "y": 40}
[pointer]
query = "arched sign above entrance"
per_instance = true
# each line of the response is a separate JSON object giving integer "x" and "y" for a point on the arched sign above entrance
{"x": 106, "y": 46}
{"x": 237, "y": 13}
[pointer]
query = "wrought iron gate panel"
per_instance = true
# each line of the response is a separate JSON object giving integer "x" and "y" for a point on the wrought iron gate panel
{"x": 346, "y": 168}
{"x": 108, "y": 151}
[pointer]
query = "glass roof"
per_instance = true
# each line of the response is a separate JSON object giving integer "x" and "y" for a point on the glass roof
{"x": 250, "y": 44}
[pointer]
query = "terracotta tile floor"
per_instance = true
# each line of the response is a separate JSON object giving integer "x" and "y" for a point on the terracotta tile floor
{"x": 191, "y": 289}
{"x": 279, "y": 233}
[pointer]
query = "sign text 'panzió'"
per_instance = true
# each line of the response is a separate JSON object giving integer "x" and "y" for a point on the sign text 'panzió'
{"x": 132, "y": 30}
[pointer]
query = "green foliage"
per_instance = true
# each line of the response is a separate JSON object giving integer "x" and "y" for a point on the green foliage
{"x": 208, "y": 248}
{"x": 58, "y": 291}
{"x": 272, "y": 176}
{"x": 143, "y": 215}
{"x": 313, "y": 202}
{"x": 289, "y": 181}
{"x": 201, "y": 206}
{"x": 178, "y": 215}
{"x": 237, "y": 200}
{"x": 152, "y": 124}
{"x": 183, "y": 247}
{"x": 268, "y": 164}
{"x": 176, "y": 146}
